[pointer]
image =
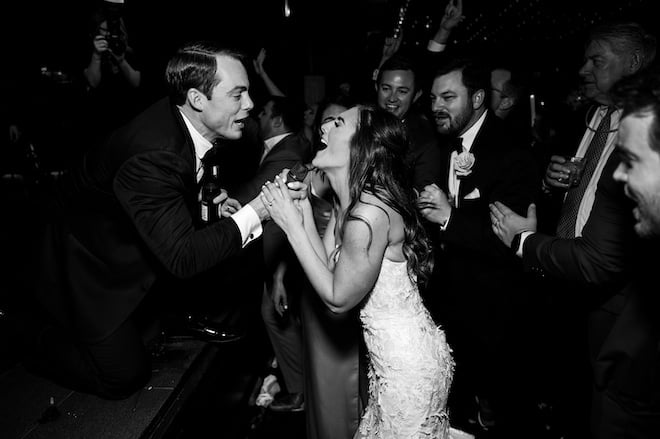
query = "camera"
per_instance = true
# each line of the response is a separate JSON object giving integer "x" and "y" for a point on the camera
{"x": 114, "y": 38}
{"x": 116, "y": 44}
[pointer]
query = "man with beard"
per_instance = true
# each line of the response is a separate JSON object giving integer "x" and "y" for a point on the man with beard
{"x": 639, "y": 148}
{"x": 477, "y": 283}
{"x": 627, "y": 402}
{"x": 590, "y": 258}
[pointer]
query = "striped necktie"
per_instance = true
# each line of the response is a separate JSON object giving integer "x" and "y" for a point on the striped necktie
{"x": 571, "y": 206}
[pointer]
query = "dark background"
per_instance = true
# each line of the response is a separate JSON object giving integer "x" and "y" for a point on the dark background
{"x": 338, "y": 39}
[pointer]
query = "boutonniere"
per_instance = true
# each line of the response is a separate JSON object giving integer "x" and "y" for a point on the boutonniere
{"x": 463, "y": 163}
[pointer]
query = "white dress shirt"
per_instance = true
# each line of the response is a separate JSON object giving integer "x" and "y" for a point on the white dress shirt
{"x": 467, "y": 141}
{"x": 590, "y": 193}
{"x": 246, "y": 218}
{"x": 587, "y": 202}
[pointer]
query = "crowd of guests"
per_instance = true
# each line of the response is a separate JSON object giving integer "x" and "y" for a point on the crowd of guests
{"x": 531, "y": 285}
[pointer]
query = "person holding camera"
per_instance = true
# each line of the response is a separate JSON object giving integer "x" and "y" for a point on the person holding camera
{"x": 112, "y": 75}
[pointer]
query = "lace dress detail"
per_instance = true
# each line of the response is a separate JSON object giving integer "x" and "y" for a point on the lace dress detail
{"x": 410, "y": 363}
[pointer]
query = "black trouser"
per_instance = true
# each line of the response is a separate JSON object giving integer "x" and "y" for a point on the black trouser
{"x": 112, "y": 368}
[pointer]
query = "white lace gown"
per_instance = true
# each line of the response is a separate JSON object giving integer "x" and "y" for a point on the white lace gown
{"x": 410, "y": 363}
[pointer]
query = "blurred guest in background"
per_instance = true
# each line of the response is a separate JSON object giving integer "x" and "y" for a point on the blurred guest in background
{"x": 113, "y": 72}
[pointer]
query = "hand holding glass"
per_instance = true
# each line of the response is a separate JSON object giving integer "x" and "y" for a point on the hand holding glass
{"x": 574, "y": 167}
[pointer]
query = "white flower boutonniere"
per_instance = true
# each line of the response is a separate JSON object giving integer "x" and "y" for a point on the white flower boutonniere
{"x": 463, "y": 163}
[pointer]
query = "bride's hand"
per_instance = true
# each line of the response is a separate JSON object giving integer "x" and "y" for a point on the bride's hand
{"x": 282, "y": 208}
{"x": 298, "y": 190}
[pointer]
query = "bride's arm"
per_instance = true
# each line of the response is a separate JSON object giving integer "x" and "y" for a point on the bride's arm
{"x": 312, "y": 232}
{"x": 363, "y": 247}
{"x": 364, "y": 242}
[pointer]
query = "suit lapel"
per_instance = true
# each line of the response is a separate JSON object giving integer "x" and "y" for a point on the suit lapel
{"x": 470, "y": 183}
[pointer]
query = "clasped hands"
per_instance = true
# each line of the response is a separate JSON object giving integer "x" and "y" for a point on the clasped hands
{"x": 285, "y": 202}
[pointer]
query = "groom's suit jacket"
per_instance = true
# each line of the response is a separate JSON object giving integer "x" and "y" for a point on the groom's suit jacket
{"x": 126, "y": 216}
{"x": 476, "y": 272}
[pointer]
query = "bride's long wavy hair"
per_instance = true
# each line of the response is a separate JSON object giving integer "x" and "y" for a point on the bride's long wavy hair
{"x": 377, "y": 166}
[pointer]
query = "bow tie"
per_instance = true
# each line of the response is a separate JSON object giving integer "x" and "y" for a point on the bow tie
{"x": 456, "y": 144}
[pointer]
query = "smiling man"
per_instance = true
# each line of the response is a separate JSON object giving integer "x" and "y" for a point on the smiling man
{"x": 398, "y": 88}
{"x": 591, "y": 256}
{"x": 627, "y": 381}
{"x": 476, "y": 290}
{"x": 639, "y": 148}
{"x": 128, "y": 217}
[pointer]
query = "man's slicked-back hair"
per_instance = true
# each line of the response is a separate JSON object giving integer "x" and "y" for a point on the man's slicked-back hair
{"x": 194, "y": 66}
{"x": 625, "y": 38}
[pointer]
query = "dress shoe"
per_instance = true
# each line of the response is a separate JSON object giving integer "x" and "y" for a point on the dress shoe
{"x": 288, "y": 402}
{"x": 485, "y": 415}
{"x": 212, "y": 332}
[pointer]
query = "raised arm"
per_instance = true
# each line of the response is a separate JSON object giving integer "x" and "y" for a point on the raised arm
{"x": 452, "y": 17}
{"x": 258, "y": 64}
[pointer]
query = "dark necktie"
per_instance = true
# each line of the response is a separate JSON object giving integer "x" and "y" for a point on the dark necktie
{"x": 456, "y": 145}
{"x": 571, "y": 206}
{"x": 210, "y": 158}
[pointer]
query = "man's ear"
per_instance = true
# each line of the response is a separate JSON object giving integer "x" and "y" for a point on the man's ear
{"x": 635, "y": 62}
{"x": 196, "y": 99}
{"x": 478, "y": 99}
{"x": 277, "y": 122}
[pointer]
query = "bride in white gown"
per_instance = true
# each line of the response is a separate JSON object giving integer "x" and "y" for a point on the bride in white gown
{"x": 373, "y": 260}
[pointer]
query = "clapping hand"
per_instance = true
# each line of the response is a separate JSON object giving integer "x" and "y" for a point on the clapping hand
{"x": 506, "y": 223}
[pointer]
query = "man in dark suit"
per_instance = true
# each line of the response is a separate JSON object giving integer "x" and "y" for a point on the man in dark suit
{"x": 280, "y": 122}
{"x": 591, "y": 257}
{"x": 397, "y": 89}
{"x": 129, "y": 216}
{"x": 627, "y": 375}
{"x": 477, "y": 283}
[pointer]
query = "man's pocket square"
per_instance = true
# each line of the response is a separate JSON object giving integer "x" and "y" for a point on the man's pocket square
{"x": 473, "y": 195}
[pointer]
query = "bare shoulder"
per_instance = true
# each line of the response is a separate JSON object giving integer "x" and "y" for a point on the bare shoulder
{"x": 373, "y": 209}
